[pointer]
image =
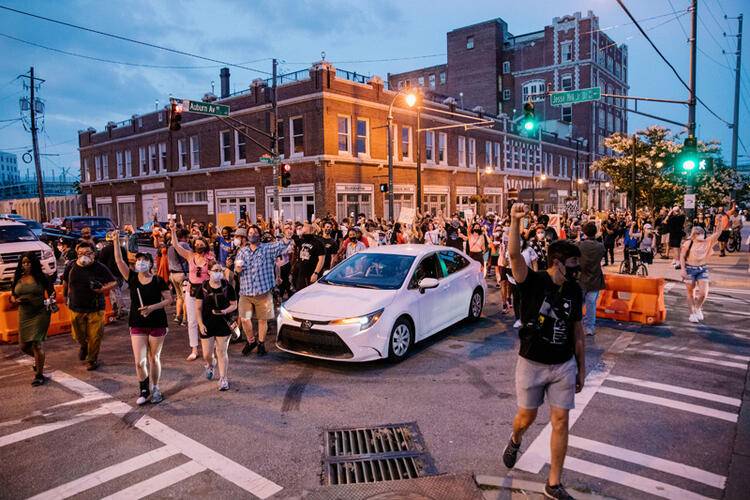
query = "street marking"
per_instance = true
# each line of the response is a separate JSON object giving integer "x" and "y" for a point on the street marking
{"x": 699, "y": 359}
{"x": 671, "y": 403}
{"x": 10, "y": 374}
{"x": 202, "y": 455}
{"x": 158, "y": 482}
{"x": 107, "y": 474}
{"x": 677, "y": 390}
{"x": 707, "y": 352}
{"x": 85, "y": 399}
{"x": 514, "y": 483}
{"x": 641, "y": 483}
{"x": 660, "y": 464}
{"x": 537, "y": 454}
{"x": 52, "y": 426}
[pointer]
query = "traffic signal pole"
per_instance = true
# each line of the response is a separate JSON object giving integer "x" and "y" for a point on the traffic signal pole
{"x": 691, "y": 99}
{"x": 736, "y": 116}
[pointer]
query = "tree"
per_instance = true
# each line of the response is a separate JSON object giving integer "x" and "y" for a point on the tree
{"x": 656, "y": 185}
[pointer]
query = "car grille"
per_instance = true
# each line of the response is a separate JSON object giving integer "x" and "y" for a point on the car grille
{"x": 316, "y": 342}
{"x": 9, "y": 258}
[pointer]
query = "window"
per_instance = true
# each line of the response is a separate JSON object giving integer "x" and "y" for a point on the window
{"x": 443, "y": 148}
{"x": 533, "y": 89}
{"x": 120, "y": 165}
{"x": 432, "y": 80}
{"x": 487, "y": 154}
{"x": 128, "y": 163}
{"x": 472, "y": 153}
{"x": 363, "y": 142}
{"x": 428, "y": 268}
{"x": 86, "y": 171}
{"x": 497, "y": 155}
{"x": 602, "y": 118}
{"x": 400, "y": 84}
{"x": 345, "y": 145}
{"x": 452, "y": 262}
{"x": 182, "y": 154}
{"x": 105, "y": 167}
{"x": 400, "y": 200}
{"x": 280, "y": 134}
{"x": 353, "y": 203}
{"x": 420, "y": 81}
{"x": 191, "y": 198}
{"x": 406, "y": 142}
{"x": 297, "y": 128}
{"x": 161, "y": 116}
{"x": 140, "y": 122}
{"x": 240, "y": 151}
{"x": 142, "y": 164}
{"x": 469, "y": 42}
{"x": 225, "y": 146}
{"x": 432, "y": 203}
{"x": 566, "y": 51}
{"x": 610, "y": 121}
{"x": 162, "y": 157}
{"x": 195, "y": 148}
{"x": 566, "y": 82}
{"x": 567, "y": 114}
{"x": 442, "y": 78}
{"x": 461, "y": 151}
{"x": 152, "y": 158}
{"x": 429, "y": 146}
{"x": 506, "y": 67}
{"x": 506, "y": 95}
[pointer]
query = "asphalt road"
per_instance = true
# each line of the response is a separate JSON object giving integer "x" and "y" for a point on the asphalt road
{"x": 82, "y": 435}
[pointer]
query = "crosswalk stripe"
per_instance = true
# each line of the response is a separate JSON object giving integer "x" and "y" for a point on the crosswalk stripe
{"x": 707, "y": 352}
{"x": 107, "y": 474}
{"x": 38, "y": 430}
{"x": 640, "y": 483}
{"x": 656, "y": 463}
{"x": 158, "y": 482}
{"x": 671, "y": 403}
{"x": 699, "y": 359}
{"x": 676, "y": 389}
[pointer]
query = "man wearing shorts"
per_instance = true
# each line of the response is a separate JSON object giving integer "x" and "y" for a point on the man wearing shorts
{"x": 255, "y": 265}
{"x": 551, "y": 358}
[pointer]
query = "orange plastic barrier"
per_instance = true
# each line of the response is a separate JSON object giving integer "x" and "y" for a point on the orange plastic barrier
{"x": 632, "y": 299}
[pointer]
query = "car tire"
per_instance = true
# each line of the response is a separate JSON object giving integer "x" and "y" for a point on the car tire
{"x": 476, "y": 304}
{"x": 401, "y": 340}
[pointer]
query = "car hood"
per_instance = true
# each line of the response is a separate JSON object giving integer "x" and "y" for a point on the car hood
{"x": 332, "y": 301}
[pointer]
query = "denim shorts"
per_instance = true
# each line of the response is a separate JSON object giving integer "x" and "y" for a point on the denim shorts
{"x": 696, "y": 273}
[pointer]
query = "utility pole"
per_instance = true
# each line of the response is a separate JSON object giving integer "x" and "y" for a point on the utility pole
{"x": 275, "y": 144}
{"x": 632, "y": 174}
{"x": 418, "y": 142}
{"x": 736, "y": 118}
{"x": 35, "y": 144}
{"x": 691, "y": 98}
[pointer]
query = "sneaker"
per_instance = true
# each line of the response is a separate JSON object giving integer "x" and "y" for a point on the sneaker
{"x": 192, "y": 356}
{"x": 210, "y": 371}
{"x": 517, "y": 324}
{"x": 249, "y": 347}
{"x": 589, "y": 333}
{"x": 510, "y": 453}
{"x": 92, "y": 366}
{"x": 156, "y": 396}
{"x": 557, "y": 491}
{"x": 143, "y": 398}
{"x": 177, "y": 320}
{"x": 38, "y": 380}
{"x": 223, "y": 384}
{"x": 699, "y": 314}
{"x": 262, "y": 349}
{"x": 693, "y": 318}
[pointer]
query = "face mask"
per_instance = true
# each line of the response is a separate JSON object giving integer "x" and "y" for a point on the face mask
{"x": 200, "y": 249}
{"x": 216, "y": 275}
{"x": 84, "y": 260}
{"x": 572, "y": 272}
{"x": 540, "y": 235}
{"x": 142, "y": 266}
{"x": 253, "y": 239}
{"x": 299, "y": 232}
{"x": 238, "y": 242}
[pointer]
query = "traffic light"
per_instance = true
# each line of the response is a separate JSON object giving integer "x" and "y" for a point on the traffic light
{"x": 384, "y": 188}
{"x": 286, "y": 175}
{"x": 529, "y": 123}
{"x": 689, "y": 160}
{"x": 175, "y": 115}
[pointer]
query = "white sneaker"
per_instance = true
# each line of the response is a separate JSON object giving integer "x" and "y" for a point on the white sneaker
{"x": 142, "y": 399}
{"x": 699, "y": 314}
{"x": 693, "y": 318}
{"x": 223, "y": 384}
{"x": 517, "y": 324}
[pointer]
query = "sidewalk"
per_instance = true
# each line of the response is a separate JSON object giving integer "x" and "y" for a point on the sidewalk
{"x": 730, "y": 271}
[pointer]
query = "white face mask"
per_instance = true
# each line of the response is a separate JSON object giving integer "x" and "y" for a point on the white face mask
{"x": 238, "y": 242}
{"x": 216, "y": 275}
{"x": 84, "y": 260}
{"x": 142, "y": 266}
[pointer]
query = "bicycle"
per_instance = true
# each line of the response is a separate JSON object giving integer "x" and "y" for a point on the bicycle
{"x": 734, "y": 243}
{"x": 632, "y": 264}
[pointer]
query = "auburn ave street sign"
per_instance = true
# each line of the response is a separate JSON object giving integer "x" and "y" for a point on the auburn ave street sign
{"x": 205, "y": 108}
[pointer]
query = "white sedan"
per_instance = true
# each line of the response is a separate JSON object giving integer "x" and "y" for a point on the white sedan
{"x": 380, "y": 302}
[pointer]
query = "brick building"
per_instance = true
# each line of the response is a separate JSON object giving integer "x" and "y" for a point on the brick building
{"x": 332, "y": 128}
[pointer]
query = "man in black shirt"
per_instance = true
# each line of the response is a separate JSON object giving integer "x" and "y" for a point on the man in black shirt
{"x": 309, "y": 258}
{"x": 551, "y": 358}
{"x": 455, "y": 233}
{"x": 86, "y": 283}
{"x": 330, "y": 244}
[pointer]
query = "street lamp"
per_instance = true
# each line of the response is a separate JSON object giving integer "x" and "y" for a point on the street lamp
{"x": 411, "y": 100}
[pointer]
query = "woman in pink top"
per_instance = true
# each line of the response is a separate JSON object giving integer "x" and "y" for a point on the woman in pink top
{"x": 199, "y": 260}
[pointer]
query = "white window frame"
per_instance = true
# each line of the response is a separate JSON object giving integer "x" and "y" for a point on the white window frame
{"x": 443, "y": 78}
{"x": 442, "y": 148}
{"x": 86, "y": 172}
{"x": 506, "y": 67}
{"x": 105, "y": 166}
{"x": 162, "y": 157}
{"x": 488, "y": 154}
{"x": 128, "y": 163}
{"x": 348, "y": 134}
{"x": 420, "y": 81}
{"x": 429, "y": 146}
{"x": 293, "y": 138}
{"x": 472, "y": 152}
{"x": 225, "y": 148}
{"x": 152, "y": 159}
{"x": 563, "y": 79}
{"x": 408, "y": 151}
{"x": 195, "y": 152}
{"x": 566, "y": 110}
{"x": 97, "y": 168}
{"x": 432, "y": 80}
{"x": 506, "y": 95}
{"x": 191, "y": 197}
{"x": 142, "y": 161}
{"x": 534, "y": 87}
{"x": 120, "y": 164}
{"x": 237, "y": 138}
{"x": 182, "y": 154}
{"x": 366, "y": 153}
{"x": 496, "y": 146}
{"x": 461, "y": 151}
{"x": 470, "y": 42}
{"x": 566, "y": 47}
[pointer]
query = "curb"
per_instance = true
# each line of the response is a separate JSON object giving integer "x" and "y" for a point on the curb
{"x": 514, "y": 483}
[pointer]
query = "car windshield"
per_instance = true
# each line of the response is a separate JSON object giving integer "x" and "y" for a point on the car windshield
{"x": 14, "y": 234}
{"x": 371, "y": 270}
{"x": 94, "y": 224}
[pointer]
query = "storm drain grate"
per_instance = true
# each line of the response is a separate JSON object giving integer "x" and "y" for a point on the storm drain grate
{"x": 371, "y": 454}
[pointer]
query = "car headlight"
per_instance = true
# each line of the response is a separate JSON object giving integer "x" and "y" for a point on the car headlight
{"x": 284, "y": 314}
{"x": 364, "y": 322}
{"x": 47, "y": 254}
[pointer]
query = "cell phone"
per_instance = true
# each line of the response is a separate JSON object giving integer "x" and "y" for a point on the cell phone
{"x": 525, "y": 222}
{"x": 217, "y": 311}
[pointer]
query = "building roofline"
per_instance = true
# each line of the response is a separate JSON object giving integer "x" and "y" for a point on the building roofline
{"x": 425, "y": 68}
{"x": 497, "y": 20}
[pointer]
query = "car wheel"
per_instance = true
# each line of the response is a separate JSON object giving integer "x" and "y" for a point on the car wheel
{"x": 401, "y": 340}
{"x": 475, "y": 305}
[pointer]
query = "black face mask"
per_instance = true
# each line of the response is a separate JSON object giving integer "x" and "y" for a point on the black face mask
{"x": 572, "y": 272}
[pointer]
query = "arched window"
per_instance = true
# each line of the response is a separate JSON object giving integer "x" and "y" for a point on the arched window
{"x": 535, "y": 89}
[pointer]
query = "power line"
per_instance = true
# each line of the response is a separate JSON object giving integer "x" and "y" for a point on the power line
{"x": 622, "y": 25}
{"x": 684, "y": 31}
{"x": 377, "y": 60}
{"x": 131, "y": 40}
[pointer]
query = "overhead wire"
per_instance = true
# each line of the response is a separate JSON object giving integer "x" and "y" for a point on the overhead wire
{"x": 131, "y": 40}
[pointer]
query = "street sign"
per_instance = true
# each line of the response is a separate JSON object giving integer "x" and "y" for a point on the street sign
{"x": 689, "y": 201}
{"x": 575, "y": 96}
{"x": 205, "y": 108}
{"x": 266, "y": 159}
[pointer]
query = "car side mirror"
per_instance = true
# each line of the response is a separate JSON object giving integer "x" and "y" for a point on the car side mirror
{"x": 427, "y": 283}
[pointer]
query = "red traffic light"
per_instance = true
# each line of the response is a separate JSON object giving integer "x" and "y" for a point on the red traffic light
{"x": 287, "y": 167}
{"x": 175, "y": 115}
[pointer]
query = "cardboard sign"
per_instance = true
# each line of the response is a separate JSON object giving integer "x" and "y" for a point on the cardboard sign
{"x": 226, "y": 219}
{"x": 406, "y": 216}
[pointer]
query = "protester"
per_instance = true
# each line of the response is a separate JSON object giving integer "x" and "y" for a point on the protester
{"x": 551, "y": 359}
{"x": 149, "y": 296}
{"x": 86, "y": 283}
{"x": 178, "y": 272}
{"x": 28, "y": 290}
{"x": 592, "y": 278}
{"x": 330, "y": 244}
{"x": 309, "y": 258}
{"x": 675, "y": 225}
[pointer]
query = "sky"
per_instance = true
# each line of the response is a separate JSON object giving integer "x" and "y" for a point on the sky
{"x": 356, "y": 35}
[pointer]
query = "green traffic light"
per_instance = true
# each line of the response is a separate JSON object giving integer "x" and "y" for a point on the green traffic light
{"x": 688, "y": 164}
{"x": 529, "y": 125}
